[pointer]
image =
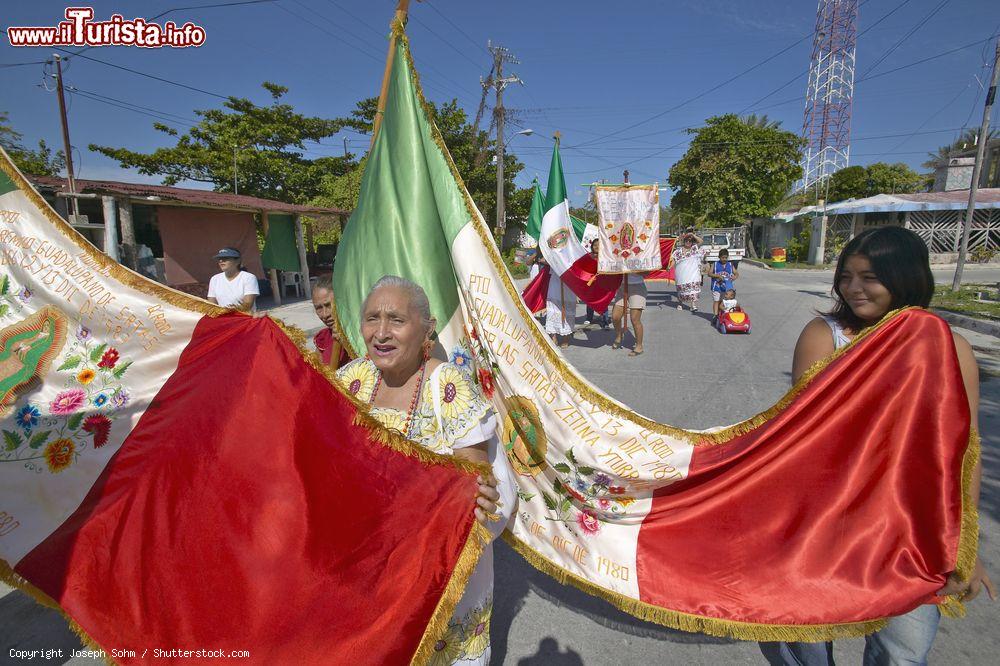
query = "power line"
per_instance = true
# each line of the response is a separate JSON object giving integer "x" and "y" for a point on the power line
{"x": 21, "y": 64}
{"x": 928, "y": 59}
{"x": 362, "y": 50}
{"x": 902, "y": 39}
{"x": 804, "y": 73}
{"x": 929, "y": 118}
{"x": 447, "y": 42}
{"x": 178, "y": 9}
{"x": 701, "y": 94}
{"x": 148, "y": 76}
{"x": 712, "y": 89}
{"x": 456, "y": 27}
{"x": 163, "y": 114}
{"x": 129, "y": 108}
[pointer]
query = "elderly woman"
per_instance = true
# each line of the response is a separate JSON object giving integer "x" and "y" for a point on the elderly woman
{"x": 686, "y": 260}
{"x": 438, "y": 406}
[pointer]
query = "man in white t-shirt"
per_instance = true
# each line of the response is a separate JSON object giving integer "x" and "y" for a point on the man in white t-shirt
{"x": 233, "y": 287}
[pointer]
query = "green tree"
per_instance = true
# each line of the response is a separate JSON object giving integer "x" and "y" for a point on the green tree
{"x": 733, "y": 171}
{"x": 858, "y": 182}
{"x": 36, "y": 162}
{"x": 892, "y": 179}
{"x": 753, "y": 120}
{"x": 848, "y": 183}
{"x": 964, "y": 141}
{"x": 587, "y": 212}
{"x": 268, "y": 143}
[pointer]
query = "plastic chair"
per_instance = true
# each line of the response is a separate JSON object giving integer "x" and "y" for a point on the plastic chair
{"x": 291, "y": 279}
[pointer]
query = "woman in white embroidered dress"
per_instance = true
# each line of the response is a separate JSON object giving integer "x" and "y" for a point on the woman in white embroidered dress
{"x": 687, "y": 260}
{"x": 439, "y": 406}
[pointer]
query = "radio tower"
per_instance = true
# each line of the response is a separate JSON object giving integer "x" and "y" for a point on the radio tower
{"x": 829, "y": 96}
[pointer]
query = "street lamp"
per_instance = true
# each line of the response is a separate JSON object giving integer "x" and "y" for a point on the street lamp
{"x": 501, "y": 210}
{"x": 236, "y": 185}
{"x": 525, "y": 132}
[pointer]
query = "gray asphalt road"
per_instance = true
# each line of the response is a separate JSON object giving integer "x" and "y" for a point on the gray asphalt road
{"x": 536, "y": 621}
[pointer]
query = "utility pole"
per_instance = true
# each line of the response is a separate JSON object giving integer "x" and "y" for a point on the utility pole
{"x": 345, "y": 146}
{"x": 500, "y": 56}
{"x": 236, "y": 181}
{"x": 991, "y": 94}
{"x": 70, "y": 177}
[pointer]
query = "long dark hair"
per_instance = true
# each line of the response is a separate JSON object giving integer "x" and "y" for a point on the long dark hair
{"x": 899, "y": 260}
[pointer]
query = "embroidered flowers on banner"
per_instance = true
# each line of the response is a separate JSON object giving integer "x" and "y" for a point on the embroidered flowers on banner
{"x": 585, "y": 498}
{"x": 52, "y": 434}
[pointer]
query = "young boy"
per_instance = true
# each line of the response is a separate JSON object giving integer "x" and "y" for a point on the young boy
{"x": 728, "y": 303}
{"x": 723, "y": 273}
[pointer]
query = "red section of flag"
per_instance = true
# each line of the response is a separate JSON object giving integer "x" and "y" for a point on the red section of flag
{"x": 592, "y": 288}
{"x": 534, "y": 294}
{"x": 796, "y": 523}
{"x": 246, "y": 512}
{"x": 664, "y": 274}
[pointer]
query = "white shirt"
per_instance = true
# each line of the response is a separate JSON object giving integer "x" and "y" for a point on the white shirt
{"x": 729, "y": 303}
{"x": 229, "y": 293}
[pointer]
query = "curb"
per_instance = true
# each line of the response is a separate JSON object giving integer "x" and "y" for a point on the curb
{"x": 971, "y": 323}
{"x": 761, "y": 264}
{"x": 755, "y": 262}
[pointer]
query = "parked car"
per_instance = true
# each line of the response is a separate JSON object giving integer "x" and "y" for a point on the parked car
{"x": 718, "y": 240}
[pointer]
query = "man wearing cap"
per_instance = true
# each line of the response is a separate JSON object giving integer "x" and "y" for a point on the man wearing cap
{"x": 233, "y": 287}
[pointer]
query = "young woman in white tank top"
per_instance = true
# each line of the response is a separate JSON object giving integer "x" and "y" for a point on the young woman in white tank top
{"x": 879, "y": 271}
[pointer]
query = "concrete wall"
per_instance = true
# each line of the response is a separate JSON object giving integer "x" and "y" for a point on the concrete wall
{"x": 955, "y": 175}
{"x": 191, "y": 236}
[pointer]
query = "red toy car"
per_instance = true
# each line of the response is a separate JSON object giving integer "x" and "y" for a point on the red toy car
{"x": 733, "y": 321}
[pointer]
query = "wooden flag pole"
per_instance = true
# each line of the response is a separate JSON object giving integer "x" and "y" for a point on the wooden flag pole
{"x": 401, "y": 11}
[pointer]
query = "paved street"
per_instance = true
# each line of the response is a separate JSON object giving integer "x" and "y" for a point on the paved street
{"x": 729, "y": 378}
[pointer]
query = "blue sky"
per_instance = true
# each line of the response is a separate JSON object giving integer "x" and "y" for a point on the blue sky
{"x": 590, "y": 69}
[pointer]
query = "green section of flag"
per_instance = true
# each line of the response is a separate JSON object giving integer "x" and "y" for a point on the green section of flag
{"x": 280, "y": 250}
{"x": 409, "y": 211}
{"x": 534, "y": 226}
{"x": 555, "y": 193}
{"x": 6, "y": 184}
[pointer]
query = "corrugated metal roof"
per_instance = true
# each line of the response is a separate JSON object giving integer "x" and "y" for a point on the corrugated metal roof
{"x": 986, "y": 198}
{"x": 164, "y": 195}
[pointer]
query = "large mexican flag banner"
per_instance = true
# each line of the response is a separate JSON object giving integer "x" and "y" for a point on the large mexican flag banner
{"x": 185, "y": 482}
{"x": 817, "y": 518}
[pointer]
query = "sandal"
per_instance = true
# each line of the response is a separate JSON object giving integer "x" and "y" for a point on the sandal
{"x": 635, "y": 353}
{"x": 617, "y": 344}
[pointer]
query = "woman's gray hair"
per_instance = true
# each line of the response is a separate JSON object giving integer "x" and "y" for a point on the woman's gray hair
{"x": 416, "y": 293}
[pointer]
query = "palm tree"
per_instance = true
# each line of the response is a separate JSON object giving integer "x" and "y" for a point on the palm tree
{"x": 967, "y": 139}
{"x": 761, "y": 121}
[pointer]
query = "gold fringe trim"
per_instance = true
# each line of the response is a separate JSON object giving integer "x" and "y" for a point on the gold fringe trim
{"x": 389, "y": 439}
{"x": 15, "y": 580}
{"x": 968, "y": 540}
{"x": 744, "y": 631}
{"x": 754, "y": 422}
{"x": 968, "y": 548}
{"x": 113, "y": 269}
{"x": 479, "y": 537}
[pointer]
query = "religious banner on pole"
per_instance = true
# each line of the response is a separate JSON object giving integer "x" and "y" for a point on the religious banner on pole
{"x": 628, "y": 228}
